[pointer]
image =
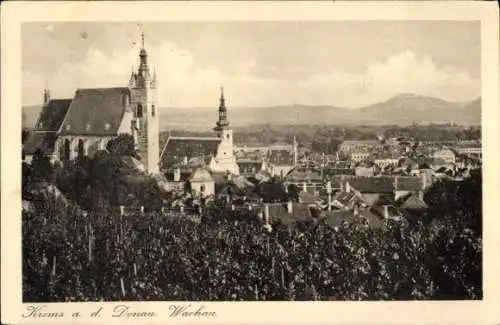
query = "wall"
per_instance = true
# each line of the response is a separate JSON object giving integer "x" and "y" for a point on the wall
{"x": 209, "y": 188}
{"x": 92, "y": 144}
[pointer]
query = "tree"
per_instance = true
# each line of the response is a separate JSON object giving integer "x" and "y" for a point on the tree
{"x": 123, "y": 145}
{"x": 42, "y": 170}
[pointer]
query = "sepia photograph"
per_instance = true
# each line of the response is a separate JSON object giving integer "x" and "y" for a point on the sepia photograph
{"x": 227, "y": 162}
{"x": 251, "y": 161}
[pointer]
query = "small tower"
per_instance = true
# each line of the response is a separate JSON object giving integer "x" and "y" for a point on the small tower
{"x": 146, "y": 117}
{"x": 225, "y": 156}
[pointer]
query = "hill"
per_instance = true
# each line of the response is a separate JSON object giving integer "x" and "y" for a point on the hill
{"x": 402, "y": 109}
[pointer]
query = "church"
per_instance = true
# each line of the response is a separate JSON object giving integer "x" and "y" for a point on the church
{"x": 83, "y": 125}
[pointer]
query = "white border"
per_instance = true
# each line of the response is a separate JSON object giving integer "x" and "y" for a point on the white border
{"x": 14, "y": 13}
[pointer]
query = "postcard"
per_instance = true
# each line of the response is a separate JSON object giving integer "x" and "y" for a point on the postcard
{"x": 250, "y": 162}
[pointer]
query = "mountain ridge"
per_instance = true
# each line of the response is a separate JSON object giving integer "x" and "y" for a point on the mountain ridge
{"x": 402, "y": 109}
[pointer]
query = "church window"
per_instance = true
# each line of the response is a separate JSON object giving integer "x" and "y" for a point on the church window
{"x": 202, "y": 188}
{"x": 67, "y": 150}
{"x": 81, "y": 148}
{"x": 153, "y": 109}
{"x": 227, "y": 136}
{"x": 139, "y": 110}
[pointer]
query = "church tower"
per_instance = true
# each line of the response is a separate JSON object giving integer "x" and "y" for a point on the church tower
{"x": 225, "y": 159}
{"x": 145, "y": 127}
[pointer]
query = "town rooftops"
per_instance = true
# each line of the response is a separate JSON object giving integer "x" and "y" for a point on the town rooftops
{"x": 304, "y": 175}
{"x": 179, "y": 149}
{"x": 402, "y": 183}
{"x": 372, "y": 184}
{"x": 96, "y": 111}
{"x": 300, "y": 212}
{"x": 412, "y": 202}
{"x": 52, "y": 115}
{"x": 280, "y": 157}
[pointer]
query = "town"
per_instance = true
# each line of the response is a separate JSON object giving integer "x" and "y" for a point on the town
{"x": 101, "y": 185}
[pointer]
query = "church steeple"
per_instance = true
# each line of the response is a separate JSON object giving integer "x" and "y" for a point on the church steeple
{"x": 46, "y": 96}
{"x": 222, "y": 122}
{"x": 143, "y": 71}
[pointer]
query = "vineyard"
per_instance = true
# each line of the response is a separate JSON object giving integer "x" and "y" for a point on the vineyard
{"x": 165, "y": 257}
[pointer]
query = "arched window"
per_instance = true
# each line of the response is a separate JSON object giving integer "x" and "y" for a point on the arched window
{"x": 67, "y": 150}
{"x": 81, "y": 149}
{"x": 139, "y": 110}
{"x": 227, "y": 136}
{"x": 153, "y": 110}
{"x": 202, "y": 188}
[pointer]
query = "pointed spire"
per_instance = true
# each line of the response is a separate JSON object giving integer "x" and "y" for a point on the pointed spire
{"x": 132, "y": 78}
{"x": 142, "y": 39}
{"x": 46, "y": 96}
{"x": 222, "y": 122}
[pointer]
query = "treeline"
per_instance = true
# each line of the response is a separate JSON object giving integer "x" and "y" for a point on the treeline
{"x": 320, "y": 138}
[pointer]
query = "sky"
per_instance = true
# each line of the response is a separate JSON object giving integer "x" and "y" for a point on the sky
{"x": 339, "y": 63}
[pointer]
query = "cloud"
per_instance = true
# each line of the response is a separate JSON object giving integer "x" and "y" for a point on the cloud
{"x": 182, "y": 81}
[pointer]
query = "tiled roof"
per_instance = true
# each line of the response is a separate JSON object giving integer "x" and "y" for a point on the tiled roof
{"x": 43, "y": 141}
{"x": 52, "y": 115}
{"x": 96, "y": 111}
{"x": 408, "y": 183}
{"x": 178, "y": 148}
{"x": 300, "y": 212}
{"x": 280, "y": 157}
{"x": 304, "y": 175}
{"x": 372, "y": 184}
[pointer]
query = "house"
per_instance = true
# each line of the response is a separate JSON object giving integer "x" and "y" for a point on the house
{"x": 469, "y": 149}
{"x": 202, "y": 183}
{"x": 288, "y": 213}
{"x": 280, "y": 161}
{"x": 446, "y": 154}
{"x": 370, "y": 189}
{"x": 349, "y": 146}
{"x": 360, "y": 156}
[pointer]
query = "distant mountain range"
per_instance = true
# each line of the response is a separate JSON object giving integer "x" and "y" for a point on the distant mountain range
{"x": 403, "y": 109}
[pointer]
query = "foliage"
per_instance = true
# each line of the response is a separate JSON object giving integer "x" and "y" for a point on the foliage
{"x": 123, "y": 145}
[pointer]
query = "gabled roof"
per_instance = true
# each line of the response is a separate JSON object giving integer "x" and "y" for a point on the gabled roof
{"x": 372, "y": 184}
{"x": 97, "y": 111}
{"x": 280, "y": 157}
{"x": 178, "y": 148}
{"x": 43, "y": 141}
{"x": 413, "y": 202}
{"x": 52, "y": 115}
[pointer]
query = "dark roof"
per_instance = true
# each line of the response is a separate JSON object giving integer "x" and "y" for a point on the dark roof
{"x": 249, "y": 167}
{"x": 43, "y": 141}
{"x": 177, "y": 148}
{"x": 408, "y": 183}
{"x": 300, "y": 212}
{"x": 96, "y": 111}
{"x": 431, "y": 161}
{"x": 372, "y": 184}
{"x": 52, "y": 115}
{"x": 280, "y": 157}
{"x": 304, "y": 175}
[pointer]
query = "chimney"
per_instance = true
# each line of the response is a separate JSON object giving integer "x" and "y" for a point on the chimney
{"x": 266, "y": 213}
{"x": 185, "y": 160}
{"x": 260, "y": 215}
{"x": 229, "y": 177}
{"x": 142, "y": 209}
{"x": 177, "y": 174}
{"x": 395, "y": 183}
{"x": 386, "y": 211}
{"x": 304, "y": 186}
{"x": 182, "y": 209}
{"x": 122, "y": 210}
{"x": 289, "y": 207}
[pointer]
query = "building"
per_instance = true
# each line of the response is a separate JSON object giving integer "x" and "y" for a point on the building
{"x": 469, "y": 149}
{"x": 96, "y": 115}
{"x": 446, "y": 154}
{"x": 217, "y": 153}
{"x": 43, "y": 137}
{"x": 360, "y": 156}
{"x": 349, "y": 146}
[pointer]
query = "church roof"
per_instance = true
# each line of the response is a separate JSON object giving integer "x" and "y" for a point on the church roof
{"x": 97, "y": 111}
{"x": 43, "y": 141}
{"x": 52, "y": 115}
{"x": 178, "y": 148}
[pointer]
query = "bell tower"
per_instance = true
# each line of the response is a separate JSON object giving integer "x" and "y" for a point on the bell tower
{"x": 225, "y": 156}
{"x": 145, "y": 126}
